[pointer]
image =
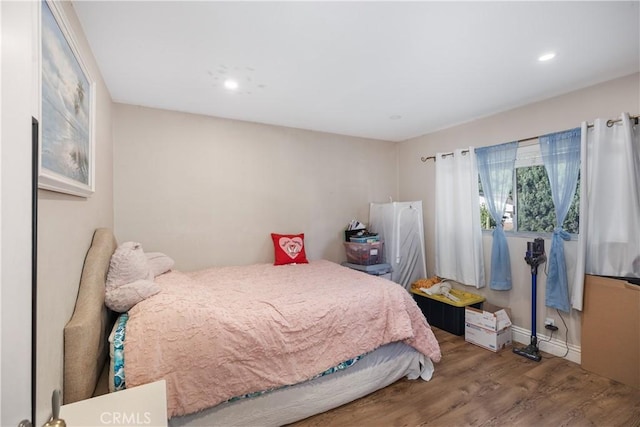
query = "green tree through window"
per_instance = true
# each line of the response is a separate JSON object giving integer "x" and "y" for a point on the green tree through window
{"x": 534, "y": 207}
{"x": 534, "y": 210}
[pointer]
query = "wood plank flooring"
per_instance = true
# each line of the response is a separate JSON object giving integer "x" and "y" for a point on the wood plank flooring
{"x": 475, "y": 387}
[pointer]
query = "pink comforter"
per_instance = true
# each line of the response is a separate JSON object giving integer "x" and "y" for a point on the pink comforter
{"x": 224, "y": 332}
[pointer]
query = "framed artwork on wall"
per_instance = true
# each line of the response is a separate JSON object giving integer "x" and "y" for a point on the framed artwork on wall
{"x": 67, "y": 155}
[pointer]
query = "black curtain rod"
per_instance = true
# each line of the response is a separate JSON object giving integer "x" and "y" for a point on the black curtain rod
{"x": 610, "y": 123}
{"x": 424, "y": 159}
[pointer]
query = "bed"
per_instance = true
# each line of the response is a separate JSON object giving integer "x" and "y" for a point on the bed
{"x": 384, "y": 343}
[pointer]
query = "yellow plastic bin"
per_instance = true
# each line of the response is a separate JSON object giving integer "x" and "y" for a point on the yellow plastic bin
{"x": 444, "y": 313}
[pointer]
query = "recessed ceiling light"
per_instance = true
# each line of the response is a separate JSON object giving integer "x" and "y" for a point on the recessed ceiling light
{"x": 231, "y": 84}
{"x": 546, "y": 56}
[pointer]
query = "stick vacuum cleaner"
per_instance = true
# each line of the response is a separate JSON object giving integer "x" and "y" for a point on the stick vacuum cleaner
{"x": 534, "y": 257}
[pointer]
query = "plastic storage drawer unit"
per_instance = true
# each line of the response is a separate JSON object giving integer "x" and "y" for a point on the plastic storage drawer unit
{"x": 444, "y": 313}
{"x": 364, "y": 253}
{"x": 374, "y": 269}
{"x": 365, "y": 239}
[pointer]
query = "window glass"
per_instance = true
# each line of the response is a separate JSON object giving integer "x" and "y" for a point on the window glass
{"x": 531, "y": 208}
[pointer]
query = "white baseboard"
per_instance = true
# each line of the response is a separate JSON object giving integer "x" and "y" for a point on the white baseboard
{"x": 554, "y": 346}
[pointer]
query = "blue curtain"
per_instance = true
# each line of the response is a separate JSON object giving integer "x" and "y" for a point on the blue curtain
{"x": 495, "y": 166}
{"x": 561, "y": 157}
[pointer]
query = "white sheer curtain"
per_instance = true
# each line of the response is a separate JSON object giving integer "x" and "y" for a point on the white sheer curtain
{"x": 459, "y": 254}
{"x": 609, "y": 240}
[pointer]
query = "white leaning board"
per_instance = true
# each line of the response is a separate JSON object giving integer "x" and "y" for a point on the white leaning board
{"x": 145, "y": 405}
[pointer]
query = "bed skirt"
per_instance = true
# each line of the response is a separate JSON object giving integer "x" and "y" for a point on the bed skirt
{"x": 374, "y": 371}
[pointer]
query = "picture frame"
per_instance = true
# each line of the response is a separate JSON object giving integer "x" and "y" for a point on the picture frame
{"x": 67, "y": 143}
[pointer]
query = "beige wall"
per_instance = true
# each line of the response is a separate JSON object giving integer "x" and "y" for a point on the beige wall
{"x": 417, "y": 179}
{"x": 209, "y": 191}
{"x": 65, "y": 228}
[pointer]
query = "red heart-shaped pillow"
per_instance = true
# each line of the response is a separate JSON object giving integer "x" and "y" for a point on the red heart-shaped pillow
{"x": 289, "y": 249}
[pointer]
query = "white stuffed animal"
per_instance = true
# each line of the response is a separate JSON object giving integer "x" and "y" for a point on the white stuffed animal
{"x": 441, "y": 288}
{"x": 129, "y": 279}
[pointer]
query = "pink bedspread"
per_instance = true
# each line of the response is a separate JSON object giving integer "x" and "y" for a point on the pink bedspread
{"x": 224, "y": 332}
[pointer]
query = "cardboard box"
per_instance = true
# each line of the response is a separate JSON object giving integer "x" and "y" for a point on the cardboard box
{"x": 610, "y": 344}
{"x": 489, "y": 328}
{"x": 491, "y": 340}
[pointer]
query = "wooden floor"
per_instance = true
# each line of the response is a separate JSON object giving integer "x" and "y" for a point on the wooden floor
{"x": 475, "y": 387}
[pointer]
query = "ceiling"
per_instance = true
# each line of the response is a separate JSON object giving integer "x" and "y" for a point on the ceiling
{"x": 383, "y": 70}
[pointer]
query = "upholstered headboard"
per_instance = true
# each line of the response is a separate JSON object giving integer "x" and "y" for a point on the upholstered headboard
{"x": 85, "y": 336}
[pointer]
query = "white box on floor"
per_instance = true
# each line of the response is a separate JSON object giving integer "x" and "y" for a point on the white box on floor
{"x": 489, "y": 328}
{"x": 144, "y": 405}
{"x": 491, "y": 340}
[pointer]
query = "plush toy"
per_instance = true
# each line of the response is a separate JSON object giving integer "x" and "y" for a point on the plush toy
{"x": 425, "y": 283}
{"x": 159, "y": 263}
{"x": 441, "y": 288}
{"x": 129, "y": 279}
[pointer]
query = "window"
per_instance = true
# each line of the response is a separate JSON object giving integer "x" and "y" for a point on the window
{"x": 531, "y": 208}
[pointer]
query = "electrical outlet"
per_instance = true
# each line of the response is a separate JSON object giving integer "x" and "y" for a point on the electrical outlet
{"x": 549, "y": 321}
